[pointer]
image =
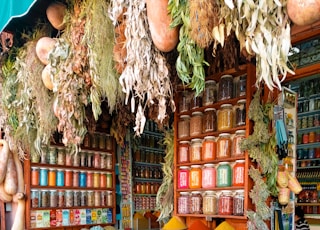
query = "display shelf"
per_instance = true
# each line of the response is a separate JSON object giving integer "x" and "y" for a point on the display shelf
{"x": 147, "y": 164}
{"x": 213, "y": 216}
{"x": 309, "y": 145}
{"x": 304, "y": 130}
{"x": 312, "y": 216}
{"x": 72, "y": 208}
{"x": 82, "y": 226}
{"x": 152, "y": 133}
{"x": 308, "y": 159}
{"x": 231, "y": 159}
{"x": 308, "y": 204}
{"x": 79, "y": 168}
{"x": 308, "y": 167}
{"x": 153, "y": 149}
{"x": 233, "y": 188}
{"x": 140, "y": 179}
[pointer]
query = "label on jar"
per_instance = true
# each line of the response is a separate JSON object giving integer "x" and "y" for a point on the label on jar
{"x": 183, "y": 179}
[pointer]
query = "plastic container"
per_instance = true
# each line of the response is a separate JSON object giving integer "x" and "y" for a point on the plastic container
{"x": 209, "y": 149}
{"x": 240, "y": 114}
{"x": 239, "y": 136}
{"x": 225, "y": 203}
{"x": 225, "y": 90}
{"x": 208, "y": 176}
{"x": 209, "y": 93}
{"x": 224, "y": 175}
{"x": 195, "y": 150}
{"x": 183, "y": 177}
{"x": 196, "y": 124}
{"x": 195, "y": 177}
{"x": 225, "y": 117}
{"x": 238, "y": 173}
{"x": 184, "y": 126}
{"x": 209, "y": 120}
{"x": 183, "y": 152}
{"x": 209, "y": 206}
{"x": 196, "y": 203}
{"x": 184, "y": 203}
{"x": 224, "y": 145}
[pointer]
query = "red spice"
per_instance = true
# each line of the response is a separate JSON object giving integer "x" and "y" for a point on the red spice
{"x": 198, "y": 225}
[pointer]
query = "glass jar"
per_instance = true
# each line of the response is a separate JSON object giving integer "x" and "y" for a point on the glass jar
{"x": 60, "y": 177}
{"x": 225, "y": 203}
{"x": 184, "y": 203}
{"x": 209, "y": 93}
{"x": 196, "y": 101}
{"x": 238, "y": 173}
{"x": 90, "y": 198}
{"x": 209, "y": 206}
{"x": 183, "y": 177}
{"x": 53, "y": 199}
{"x": 312, "y": 137}
{"x": 109, "y": 142}
{"x": 96, "y": 160}
{"x": 77, "y": 198}
{"x": 183, "y": 152}
{"x": 83, "y": 159}
{"x": 61, "y": 157}
{"x": 34, "y": 198}
{"x": 238, "y": 203}
{"x": 184, "y": 103}
{"x": 45, "y": 201}
{"x": 61, "y": 198}
{"x": 209, "y": 120}
{"x": 109, "y": 161}
{"x": 224, "y": 145}
{"x": 83, "y": 200}
{"x": 224, "y": 175}
{"x": 225, "y": 117}
{"x": 109, "y": 180}
{"x": 195, "y": 150}
{"x": 103, "y": 180}
{"x": 43, "y": 177}
{"x": 97, "y": 198}
{"x": 69, "y": 198}
{"x": 208, "y": 176}
{"x": 242, "y": 86}
{"x": 90, "y": 179}
{"x": 239, "y": 136}
{"x": 52, "y": 177}
{"x": 195, "y": 177}
{"x": 196, "y": 203}
{"x": 196, "y": 124}
{"x": 76, "y": 160}
{"x": 83, "y": 179}
{"x": 68, "y": 178}
{"x": 225, "y": 90}
{"x": 209, "y": 148}
{"x": 184, "y": 126}
{"x": 35, "y": 176}
{"x": 241, "y": 113}
{"x": 52, "y": 155}
{"x": 75, "y": 179}
{"x": 96, "y": 179}
{"x": 69, "y": 159}
{"x": 109, "y": 198}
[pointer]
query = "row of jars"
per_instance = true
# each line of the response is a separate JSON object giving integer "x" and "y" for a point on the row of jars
{"x": 308, "y": 153}
{"x": 308, "y": 121}
{"x": 211, "y": 148}
{"x": 146, "y": 187}
{"x": 309, "y": 105}
{"x": 151, "y": 141}
{"x": 209, "y": 176}
{"x": 144, "y": 202}
{"x": 210, "y": 203}
{"x": 148, "y": 156}
{"x": 227, "y": 117}
{"x": 70, "y": 198}
{"x": 147, "y": 172}
{"x": 70, "y": 178}
{"x": 228, "y": 87}
{"x": 308, "y": 137}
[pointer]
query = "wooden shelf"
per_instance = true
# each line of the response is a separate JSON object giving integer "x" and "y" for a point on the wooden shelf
{"x": 214, "y": 216}
{"x": 308, "y": 204}
{"x": 230, "y": 159}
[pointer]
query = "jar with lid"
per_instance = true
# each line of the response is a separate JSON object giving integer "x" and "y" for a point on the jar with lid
{"x": 34, "y": 198}
{"x": 184, "y": 126}
{"x": 224, "y": 175}
{"x": 68, "y": 178}
{"x": 83, "y": 179}
{"x": 83, "y": 159}
{"x": 52, "y": 155}
{"x": 196, "y": 203}
{"x": 238, "y": 173}
{"x": 52, "y": 177}
{"x": 183, "y": 177}
{"x": 35, "y": 176}
{"x": 239, "y": 136}
{"x": 83, "y": 198}
{"x": 225, "y": 203}
{"x": 97, "y": 198}
{"x": 45, "y": 200}
{"x": 196, "y": 101}
{"x": 196, "y": 124}
{"x": 209, "y": 206}
{"x": 208, "y": 176}
{"x": 76, "y": 198}
{"x": 69, "y": 198}
{"x": 183, "y": 152}
{"x": 184, "y": 203}
{"x": 60, "y": 177}
{"x": 225, "y": 117}
{"x": 225, "y": 90}
{"x": 75, "y": 178}
{"x": 109, "y": 180}
{"x": 242, "y": 86}
{"x": 195, "y": 150}
{"x": 96, "y": 160}
{"x": 96, "y": 179}
{"x": 43, "y": 177}
{"x": 195, "y": 177}
{"x": 224, "y": 146}
{"x": 209, "y": 120}
{"x": 61, "y": 157}
{"x": 61, "y": 198}
{"x": 209, "y": 148}
{"x": 109, "y": 161}
{"x": 238, "y": 203}
{"x": 184, "y": 103}
{"x": 89, "y": 179}
{"x": 241, "y": 113}
{"x": 90, "y": 198}
{"x": 53, "y": 199}
{"x": 209, "y": 93}
{"x": 109, "y": 142}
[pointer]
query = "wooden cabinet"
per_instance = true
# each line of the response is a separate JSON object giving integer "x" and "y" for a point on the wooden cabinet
{"x": 180, "y": 140}
{"x": 72, "y": 191}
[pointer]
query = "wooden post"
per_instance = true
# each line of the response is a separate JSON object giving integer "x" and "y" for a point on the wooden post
{"x": 2, "y": 215}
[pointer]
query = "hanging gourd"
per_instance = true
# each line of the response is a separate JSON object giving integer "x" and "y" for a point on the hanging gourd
{"x": 43, "y": 48}
{"x": 163, "y": 36}
{"x": 55, "y": 14}
{"x": 303, "y": 12}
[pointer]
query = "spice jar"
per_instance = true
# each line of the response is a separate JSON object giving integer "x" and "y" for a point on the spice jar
{"x": 209, "y": 120}
{"x": 35, "y": 176}
{"x": 61, "y": 157}
{"x": 209, "y": 93}
{"x": 196, "y": 203}
{"x": 225, "y": 90}
{"x": 43, "y": 177}
{"x": 242, "y": 86}
{"x": 209, "y": 206}
{"x": 75, "y": 179}
{"x": 224, "y": 175}
{"x": 77, "y": 198}
{"x": 34, "y": 198}
{"x": 83, "y": 201}
{"x": 208, "y": 176}
{"x": 241, "y": 113}
{"x": 53, "y": 199}
{"x": 89, "y": 179}
{"x": 224, "y": 146}
{"x": 184, "y": 126}
{"x": 90, "y": 198}
{"x": 238, "y": 203}
{"x": 195, "y": 151}
{"x": 83, "y": 179}
{"x": 68, "y": 178}
{"x": 61, "y": 198}
{"x": 209, "y": 148}
{"x": 109, "y": 180}
{"x": 45, "y": 198}
{"x": 52, "y": 155}
{"x": 195, "y": 177}
{"x": 183, "y": 177}
{"x": 52, "y": 177}
{"x": 225, "y": 203}
{"x": 239, "y": 136}
{"x": 97, "y": 198}
{"x": 238, "y": 173}
{"x": 103, "y": 180}
{"x": 225, "y": 117}
{"x": 183, "y": 203}
{"x": 196, "y": 101}
{"x": 69, "y": 198}
{"x": 109, "y": 161}
{"x": 196, "y": 124}
{"x": 183, "y": 152}
{"x": 60, "y": 177}
{"x": 184, "y": 103}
